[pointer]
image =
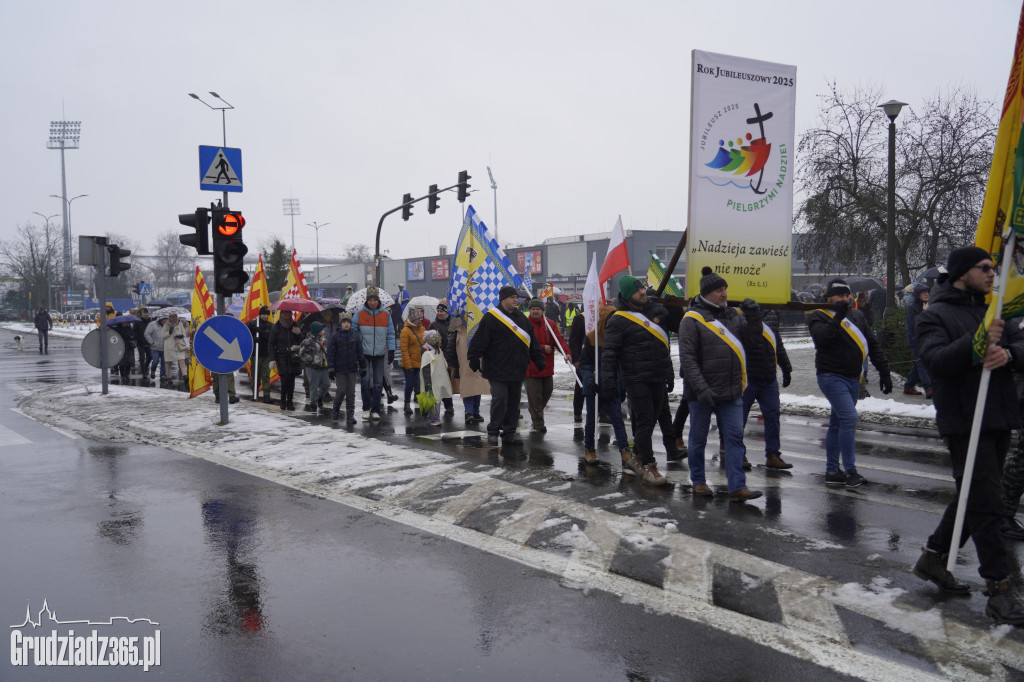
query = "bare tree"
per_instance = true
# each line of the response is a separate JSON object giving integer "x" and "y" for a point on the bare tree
{"x": 35, "y": 257}
{"x": 357, "y": 253}
{"x": 173, "y": 263}
{"x": 943, "y": 154}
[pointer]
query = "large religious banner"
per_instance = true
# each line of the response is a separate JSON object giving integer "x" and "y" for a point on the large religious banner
{"x": 741, "y": 175}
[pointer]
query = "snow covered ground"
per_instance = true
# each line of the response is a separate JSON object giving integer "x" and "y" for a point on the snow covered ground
{"x": 882, "y": 410}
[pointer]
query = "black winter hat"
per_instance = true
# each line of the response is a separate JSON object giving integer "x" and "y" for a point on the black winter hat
{"x": 837, "y": 287}
{"x": 963, "y": 259}
{"x": 507, "y": 291}
{"x": 710, "y": 281}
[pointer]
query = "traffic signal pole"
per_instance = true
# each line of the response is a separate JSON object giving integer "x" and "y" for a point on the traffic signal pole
{"x": 380, "y": 224}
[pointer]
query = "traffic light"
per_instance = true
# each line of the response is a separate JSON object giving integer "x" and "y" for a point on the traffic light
{"x": 463, "y": 185}
{"x": 116, "y": 266}
{"x": 406, "y": 207}
{"x": 200, "y": 222}
{"x": 433, "y": 200}
{"x": 228, "y": 253}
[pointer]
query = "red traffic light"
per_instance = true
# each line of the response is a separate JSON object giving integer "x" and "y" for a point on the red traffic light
{"x": 230, "y": 224}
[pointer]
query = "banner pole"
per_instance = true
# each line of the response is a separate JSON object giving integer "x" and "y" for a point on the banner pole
{"x": 1006, "y": 262}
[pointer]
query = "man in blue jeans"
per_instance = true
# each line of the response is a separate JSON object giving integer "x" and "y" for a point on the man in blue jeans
{"x": 763, "y": 361}
{"x": 712, "y": 357}
{"x": 842, "y": 341}
{"x": 378, "y": 336}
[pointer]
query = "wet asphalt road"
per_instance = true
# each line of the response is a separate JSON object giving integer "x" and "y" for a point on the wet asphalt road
{"x": 250, "y": 579}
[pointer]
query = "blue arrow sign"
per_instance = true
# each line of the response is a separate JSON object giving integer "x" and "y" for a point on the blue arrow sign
{"x": 223, "y": 344}
{"x": 220, "y": 169}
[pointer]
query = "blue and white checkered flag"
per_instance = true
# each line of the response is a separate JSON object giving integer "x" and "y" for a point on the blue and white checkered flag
{"x": 481, "y": 270}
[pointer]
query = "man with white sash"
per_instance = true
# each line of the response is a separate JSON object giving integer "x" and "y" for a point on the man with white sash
{"x": 842, "y": 341}
{"x": 636, "y": 348}
{"x": 502, "y": 349}
{"x": 713, "y": 339}
{"x": 764, "y": 359}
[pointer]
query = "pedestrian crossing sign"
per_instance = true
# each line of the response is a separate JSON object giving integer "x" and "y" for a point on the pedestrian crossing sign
{"x": 220, "y": 169}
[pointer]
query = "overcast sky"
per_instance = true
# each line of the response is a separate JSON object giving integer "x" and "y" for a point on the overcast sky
{"x": 581, "y": 108}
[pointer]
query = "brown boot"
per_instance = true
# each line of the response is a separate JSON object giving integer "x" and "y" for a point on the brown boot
{"x": 590, "y": 456}
{"x": 932, "y": 566}
{"x": 744, "y": 494}
{"x": 703, "y": 490}
{"x": 773, "y": 460}
{"x": 1003, "y": 604}
{"x": 629, "y": 461}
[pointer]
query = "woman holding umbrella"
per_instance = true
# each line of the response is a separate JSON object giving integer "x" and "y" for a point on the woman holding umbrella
{"x": 285, "y": 339}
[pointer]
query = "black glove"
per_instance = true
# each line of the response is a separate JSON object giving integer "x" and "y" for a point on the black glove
{"x": 474, "y": 365}
{"x": 787, "y": 378}
{"x": 670, "y": 384}
{"x": 391, "y": 356}
{"x": 885, "y": 383}
{"x": 749, "y": 306}
{"x": 842, "y": 307}
{"x": 706, "y": 398}
{"x": 330, "y": 374}
{"x": 362, "y": 371}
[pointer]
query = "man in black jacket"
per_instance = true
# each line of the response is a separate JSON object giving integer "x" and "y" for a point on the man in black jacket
{"x": 260, "y": 329}
{"x": 44, "y": 323}
{"x": 945, "y": 332}
{"x": 712, "y": 360}
{"x": 502, "y": 348}
{"x": 763, "y": 360}
{"x": 637, "y": 347}
{"x": 842, "y": 341}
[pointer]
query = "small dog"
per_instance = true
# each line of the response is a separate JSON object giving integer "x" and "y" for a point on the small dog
{"x": 17, "y": 340}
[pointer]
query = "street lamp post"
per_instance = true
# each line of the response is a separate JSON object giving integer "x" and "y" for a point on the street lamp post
{"x": 494, "y": 186}
{"x": 69, "y": 283}
{"x": 291, "y": 207}
{"x": 892, "y": 110}
{"x": 316, "y": 226}
{"x": 224, "y": 129}
{"x": 49, "y": 296}
{"x": 65, "y": 135}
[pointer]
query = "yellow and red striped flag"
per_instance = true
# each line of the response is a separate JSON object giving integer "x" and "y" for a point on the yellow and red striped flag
{"x": 199, "y": 379}
{"x": 258, "y": 296}
{"x": 548, "y": 290}
{"x": 1004, "y": 201}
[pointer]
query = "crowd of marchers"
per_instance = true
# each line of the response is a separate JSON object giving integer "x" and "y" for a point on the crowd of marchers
{"x": 729, "y": 358}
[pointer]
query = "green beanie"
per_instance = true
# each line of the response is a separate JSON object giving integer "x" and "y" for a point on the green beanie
{"x": 628, "y": 286}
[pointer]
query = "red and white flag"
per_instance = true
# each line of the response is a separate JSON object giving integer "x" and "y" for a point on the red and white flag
{"x": 617, "y": 258}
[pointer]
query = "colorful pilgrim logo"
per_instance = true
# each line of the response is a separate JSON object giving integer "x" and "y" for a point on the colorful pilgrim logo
{"x": 745, "y": 156}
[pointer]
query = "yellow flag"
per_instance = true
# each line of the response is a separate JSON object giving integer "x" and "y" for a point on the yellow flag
{"x": 1003, "y": 196}
{"x": 258, "y": 296}
{"x": 199, "y": 379}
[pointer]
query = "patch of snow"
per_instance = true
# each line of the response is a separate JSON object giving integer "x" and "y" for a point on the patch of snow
{"x": 880, "y": 598}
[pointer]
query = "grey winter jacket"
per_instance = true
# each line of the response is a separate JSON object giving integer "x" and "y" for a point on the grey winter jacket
{"x": 705, "y": 359}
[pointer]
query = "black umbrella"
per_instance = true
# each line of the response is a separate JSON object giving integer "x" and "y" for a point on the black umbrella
{"x": 932, "y": 273}
{"x": 159, "y": 304}
{"x": 858, "y": 284}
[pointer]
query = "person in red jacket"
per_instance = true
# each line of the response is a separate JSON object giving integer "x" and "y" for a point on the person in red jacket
{"x": 540, "y": 382}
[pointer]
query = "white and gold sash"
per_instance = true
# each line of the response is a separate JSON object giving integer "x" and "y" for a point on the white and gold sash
{"x": 515, "y": 328}
{"x": 730, "y": 340}
{"x": 770, "y": 335}
{"x": 644, "y": 322}
{"x": 855, "y": 333}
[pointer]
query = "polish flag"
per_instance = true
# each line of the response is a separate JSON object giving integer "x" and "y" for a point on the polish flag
{"x": 617, "y": 258}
